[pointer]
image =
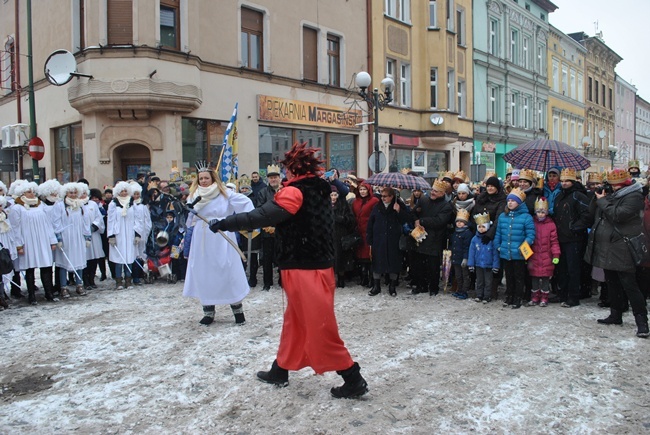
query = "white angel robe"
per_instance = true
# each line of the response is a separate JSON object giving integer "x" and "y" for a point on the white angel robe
{"x": 215, "y": 274}
{"x": 94, "y": 216}
{"x": 73, "y": 226}
{"x": 142, "y": 227}
{"x": 7, "y": 240}
{"x": 122, "y": 226}
{"x": 33, "y": 231}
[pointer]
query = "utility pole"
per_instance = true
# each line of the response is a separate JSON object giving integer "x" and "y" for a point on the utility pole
{"x": 32, "y": 102}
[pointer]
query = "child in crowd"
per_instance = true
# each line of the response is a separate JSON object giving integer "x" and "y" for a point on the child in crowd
{"x": 514, "y": 227}
{"x": 546, "y": 254}
{"x": 460, "y": 243}
{"x": 483, "y": 259}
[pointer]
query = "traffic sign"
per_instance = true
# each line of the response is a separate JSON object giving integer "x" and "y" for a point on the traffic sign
{"x": 36, "y": 148}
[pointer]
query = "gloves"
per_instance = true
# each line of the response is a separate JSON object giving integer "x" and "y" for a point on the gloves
{"x": 215, "y": 225}
{"x": 136, "y": 240}
{"x": 463, "y": 263}
{"x": 471, "y": 269}
{"x": 94, "y": 228}
{"x": 495, "y": 270}
{"x": 556, "y": 261}
{"x": 112, "y": 241}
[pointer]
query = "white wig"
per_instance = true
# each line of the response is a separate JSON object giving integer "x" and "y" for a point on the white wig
{"x": 119, "y": 187}
{"x": 25, "y": 186}
{"x": 3, "y": 187}
{"x": 135, "y": 187}
{"x": 83, "y": 188}
{"x": 3, "y": 201}
{"x": 49, "y": 188}
{"x": 69, "y": 187}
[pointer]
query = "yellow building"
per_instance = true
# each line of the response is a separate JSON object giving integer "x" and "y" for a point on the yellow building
{"x": 426, "y": 48}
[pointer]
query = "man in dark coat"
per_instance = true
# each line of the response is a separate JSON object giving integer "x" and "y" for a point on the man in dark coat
{"x": 436, "y": 213}
{"x": 257, "y": 185}
{"x": 572, "y": 220}
{"x": 268, "y": 233}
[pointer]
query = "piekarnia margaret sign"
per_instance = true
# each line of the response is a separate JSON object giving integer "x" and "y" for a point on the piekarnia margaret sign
{"x": 276, "y": 109}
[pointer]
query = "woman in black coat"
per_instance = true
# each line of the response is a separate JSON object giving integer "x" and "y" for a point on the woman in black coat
{"x": 383, "y": 234}
{"x": 344, "y": 224}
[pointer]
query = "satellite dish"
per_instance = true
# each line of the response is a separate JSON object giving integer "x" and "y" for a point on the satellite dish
{"x": 436, "y": 119}
{"x": 59, "y": 67}
{"x": 602, "y": 134}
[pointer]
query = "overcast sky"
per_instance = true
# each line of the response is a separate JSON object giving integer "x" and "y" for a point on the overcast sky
{"x": 624, "y": 24}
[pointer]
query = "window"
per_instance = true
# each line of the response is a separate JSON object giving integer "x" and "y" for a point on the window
{"x": 572, "y": 84}
{"x": 581, "y": 91}
{"x": 541, "y": 115}
{"x": 450, "y": 15}
{"x": 433, "y": 13}
{"x": 565, "y": 80}
{"x": 525, "y": 102}
{"x": 433, "y": 83}
{"x": 252, "y": 34}
{"x": 404, "y": 158}
{"x": 493, "y": 47}
{"x": 460, "y": 26}
{"x": 391, "y": 8}
{"x": 565, "y": 130}
{"x": 556, "y": 75}
{"x": 405, "y": 85}
{"x": 8, "y": 67}
{"x": 589, "y": 90}
{"x": 334, "y": 59}
{"x": 525, "y": 54}
{"x": 120, "y": 22}
{"x": 310, "y": 54}
{"x": 603, "y": 86}
{"x": 462, "y": 107}
{"x": 391, "y": 71}
{"x": 514, "y": 115}
{"x": 68, "y": 154}
{"x": 514, "y": 46}
{"x": 556, "y": 128}
{"x": 610, "y": 98}
{"x": 493, "y": 108}
{"x": 541, "y": 66}
{"x": 451, "y": 92}
{"x": 596, "y": 93}
{"x": 170, "y": 24}
{"x": 572, "y": 134}
{"x": 202, "y": 139}
{"x": 579, "y": 132}
{"x": 399, "y": 9}
{"x": 79, "y": 25}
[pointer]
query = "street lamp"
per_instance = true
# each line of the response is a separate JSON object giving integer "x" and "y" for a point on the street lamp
{"x": 376, "y": 102}
{"x": 612, "y": 154}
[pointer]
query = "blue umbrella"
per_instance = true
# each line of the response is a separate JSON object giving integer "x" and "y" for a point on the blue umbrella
{"x": 543, "y": 154}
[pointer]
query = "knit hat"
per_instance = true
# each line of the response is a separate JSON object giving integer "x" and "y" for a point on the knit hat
{"x": 555, "y": 169}
{"x": 462, "y": 187}
{"x": 568, "y": 174}
{"x": 541, "y": 204}
{"x": 334, "y": 189}
{"x": 517, "y": 195}
{"x": 515, "y": 174}
{"x": 493, "y": 181}
{"x": 462, "y": 215}
{"x": 231, "y": 186}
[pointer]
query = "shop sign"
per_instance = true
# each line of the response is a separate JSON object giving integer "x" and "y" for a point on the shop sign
{"x": 281, "y": 110}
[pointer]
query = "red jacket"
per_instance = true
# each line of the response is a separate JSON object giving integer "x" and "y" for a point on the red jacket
{"x": 545, "y": 248}
{"x": 362, "y": 208}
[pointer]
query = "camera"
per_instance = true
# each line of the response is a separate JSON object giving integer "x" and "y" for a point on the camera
{"x": 606, "y": 188}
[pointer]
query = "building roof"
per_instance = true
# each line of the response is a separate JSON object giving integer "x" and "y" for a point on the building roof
{"x": 546, "y": 4}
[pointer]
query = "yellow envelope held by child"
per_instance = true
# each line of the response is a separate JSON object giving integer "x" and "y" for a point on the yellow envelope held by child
{"x": 526, "y": 250}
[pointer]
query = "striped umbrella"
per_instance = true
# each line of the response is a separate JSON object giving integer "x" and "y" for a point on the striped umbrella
{"x": 398, "y": 181}
{"x": 543, "y": 154}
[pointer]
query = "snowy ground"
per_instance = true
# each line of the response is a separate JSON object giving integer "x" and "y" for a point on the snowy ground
{"x": 137, "y": 361}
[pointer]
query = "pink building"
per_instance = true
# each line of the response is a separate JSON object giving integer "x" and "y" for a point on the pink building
{"x": 625, "y": 116}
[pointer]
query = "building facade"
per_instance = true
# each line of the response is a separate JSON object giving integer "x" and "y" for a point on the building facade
{"x": 166, "y": 75}
{"x": 625, "y": 112}
{"x": 510, "y": 76}
{"x": 642, "y": 133}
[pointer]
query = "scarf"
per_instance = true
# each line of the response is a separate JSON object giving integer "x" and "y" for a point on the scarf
{"x": 4, "y": 224}
{"x": 207, "y": 194}
{"x": 52, "y": 198}
{"x": 124, "y": 202}
{"x": 73, "y": 204}
{"x": 468, "y": 204}
{"x": 634, "y": 187}
{"x": 551, "y": 185}
{"x": 28, "y": 202}
{"x": 137, "y": 201}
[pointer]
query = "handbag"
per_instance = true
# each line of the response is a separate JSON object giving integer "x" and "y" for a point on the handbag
{"x": 6, "y": 264}
{"x": 637, "y": 247}
{"x": 350, "y": 241}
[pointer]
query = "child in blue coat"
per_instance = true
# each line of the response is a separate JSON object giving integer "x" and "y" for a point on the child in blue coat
{"x": 514, "y": 227}
{"x": 460, "y": 242}
{"x": 483, "y": 259}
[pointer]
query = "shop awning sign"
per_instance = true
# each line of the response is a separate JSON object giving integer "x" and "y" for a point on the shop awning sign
{"x": 281, "y": 110}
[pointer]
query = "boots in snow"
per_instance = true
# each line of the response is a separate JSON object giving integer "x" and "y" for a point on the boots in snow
{"x": 119, "y": 283}
{"x": 363, "y": 281}
{"x": 391, "y": 287}
{"x": 340, "y": 281}
{"x": 208, "y": 315}
{"x": 128, "y": 283}
{"x": 615, "y": 318}
{"x": 238, "y": 311}
{"x": 354, "y": 386}
{"x": 276, "y": 376}
{"x": 376, "y": 289}
{"x": 642, "y": 325}
{"x": 534, "y": 298}
{"x": 31, "y": 295}
{"x": 81, "y": 291}
{"x": 544, "y": 299}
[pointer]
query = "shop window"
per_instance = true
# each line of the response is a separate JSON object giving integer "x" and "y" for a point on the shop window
{"x": 68, "y": 153}
{"x": 202, "y": 140}
{"x": 434, "y": 161}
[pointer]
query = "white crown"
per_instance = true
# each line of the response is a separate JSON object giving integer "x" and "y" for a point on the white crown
{"x": 202, "y": 166}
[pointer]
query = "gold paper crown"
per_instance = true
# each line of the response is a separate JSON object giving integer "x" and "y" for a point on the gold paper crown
{"x": 633, "y": 164}
{"x": 488, "y": 175}
{"x": 617, "y": 176}
{"x": 568, "y": 174}
{"x": 509, "y": 170}
{"x": 460, "y": 175}
{"x": 518, "y": 193}
{"x": 440, "y": 186}
{"x": 594, "y": 177}
{"x": 541, "y": 204}
{"x": 528, "y": 174}
{"x": 448, "y": 174}
{"x": 462, "y": 215}
{"x": 481, "y": 219}
{"x": 244, "y": 181}
{"x": 405, "y": 171}
{"x": 272, "y": 169}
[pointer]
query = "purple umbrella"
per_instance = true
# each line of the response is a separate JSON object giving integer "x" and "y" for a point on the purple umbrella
{"x": 543, "y": 154}
{"x": 398, "y": 181}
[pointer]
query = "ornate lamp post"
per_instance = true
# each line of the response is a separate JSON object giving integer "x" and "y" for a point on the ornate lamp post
{"x": 612, "y": 154}
{"x": 376, "y": 101}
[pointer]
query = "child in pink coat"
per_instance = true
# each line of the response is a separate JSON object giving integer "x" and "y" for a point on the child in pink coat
{"x": 546, "y": 254}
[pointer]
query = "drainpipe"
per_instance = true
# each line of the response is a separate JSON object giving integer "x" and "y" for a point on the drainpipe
{"x": 19, "y": 114}
{"x": 369, "y": 59}
{"x": 32, "y": 103}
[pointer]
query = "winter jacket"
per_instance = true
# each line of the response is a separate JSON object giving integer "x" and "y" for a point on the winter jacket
{"x": 383, "y": 233}
{"x": 531, "y": 196}
{"x": 494, "y": 205}
{"x": 483, "y": 255}
{"x": 344, "y": 224}
{"x": 362, "y": 207}
{"x": 550, "y": 195}
{"x": 605, "y": 247}
{"x": 262, "y": 197}
{"x": 646, "y": 225}
{"x": 571, "y": 216}
{"x": 545, "y": 248}
{"x": 434, "y": 217}
{"x": 513, "y": 228}
{"x": 460, "y": 242}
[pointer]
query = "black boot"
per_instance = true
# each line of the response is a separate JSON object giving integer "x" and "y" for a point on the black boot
{"x": 376, "y": 288}
{"x": 615, "y": 318}
{"x": 391, "y": 287}
{"x": 340, "y": 281}
{"x": 354, "y": 386}
{"x": 276, "y": 376}
{"x": 238, "y": 311}
{"x": 208, "y": 315}
{"x": 15, "y": 287}
{"x": 642, "y": 325}
{"x": 31, "y": 295}
{"x": 364, "y": 276}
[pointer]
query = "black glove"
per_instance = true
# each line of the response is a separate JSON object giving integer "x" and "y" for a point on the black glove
{"x": 94, "y": 228}
{"x": 215, "y": 225}
{"x": 486, "y": 239}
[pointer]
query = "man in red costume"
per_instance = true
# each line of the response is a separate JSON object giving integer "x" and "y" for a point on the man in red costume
{"x": 304, "y": 224}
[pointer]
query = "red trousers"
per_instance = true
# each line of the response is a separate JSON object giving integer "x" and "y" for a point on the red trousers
{"x": 310, "y": 334}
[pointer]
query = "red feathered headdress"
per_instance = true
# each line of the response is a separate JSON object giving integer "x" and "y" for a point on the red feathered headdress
{"x": 302, "y": 160}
